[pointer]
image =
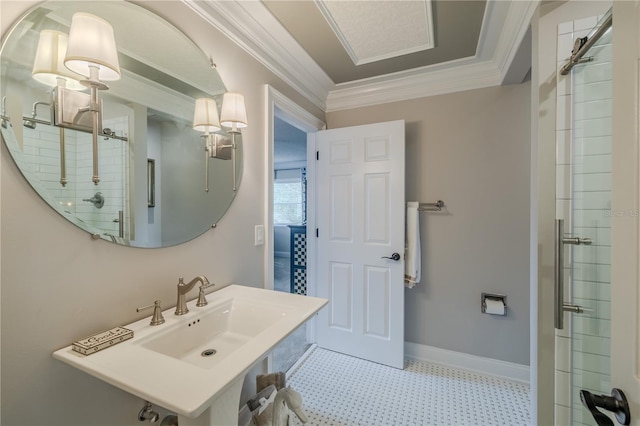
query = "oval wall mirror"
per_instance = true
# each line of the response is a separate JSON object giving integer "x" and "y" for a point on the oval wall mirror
{"x": 153, "y": 164}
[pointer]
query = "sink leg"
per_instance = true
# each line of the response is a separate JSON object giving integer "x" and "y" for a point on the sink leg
{"x": 222, "y": 412}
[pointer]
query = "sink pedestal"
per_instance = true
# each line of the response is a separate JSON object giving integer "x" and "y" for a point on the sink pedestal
{"x": 222, "y": 412}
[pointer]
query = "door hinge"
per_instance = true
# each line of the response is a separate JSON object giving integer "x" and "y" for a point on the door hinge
{"x": 317, "y": 155}
{"x": 317, "y": 233}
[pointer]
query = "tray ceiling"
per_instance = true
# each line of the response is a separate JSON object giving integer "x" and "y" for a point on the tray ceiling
{"x": 367, "y": 52}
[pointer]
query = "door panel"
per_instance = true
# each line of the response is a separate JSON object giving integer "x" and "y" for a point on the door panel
{"x": 360, "y": 199}
{"x": 376, "y": 307}
{"x": 376, "y": 205}
{"x": 341, "y": 294}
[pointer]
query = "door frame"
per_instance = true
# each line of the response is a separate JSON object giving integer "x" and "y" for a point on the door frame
{"x": 277, "y": 104}
{"x": 625, "y": 215}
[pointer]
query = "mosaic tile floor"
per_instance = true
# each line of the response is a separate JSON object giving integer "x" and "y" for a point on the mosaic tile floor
{"x": 341, "y": 390}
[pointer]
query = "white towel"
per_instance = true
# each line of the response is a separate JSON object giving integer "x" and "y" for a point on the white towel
{"x": 413, "y": 256}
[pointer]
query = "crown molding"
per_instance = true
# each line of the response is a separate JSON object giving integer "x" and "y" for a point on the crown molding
{"x": 415, "y": 84}
{"x": 252, "y": 27}
{"x": 516, "y": 26}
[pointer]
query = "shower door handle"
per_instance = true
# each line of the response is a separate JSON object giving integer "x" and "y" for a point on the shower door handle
{"x": 616, "y": 403}
{"x": 559, "y": 306}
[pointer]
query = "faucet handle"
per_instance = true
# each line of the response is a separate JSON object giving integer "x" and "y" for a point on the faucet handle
{"x": 156, "y": 318}
{"x": 202, "y": 301}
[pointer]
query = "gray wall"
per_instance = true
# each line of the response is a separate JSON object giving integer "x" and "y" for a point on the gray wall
{"x": 57, "y": 285}
{"x": 472, "y": 150}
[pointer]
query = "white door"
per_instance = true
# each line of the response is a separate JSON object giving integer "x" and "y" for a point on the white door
{"x": 360, "y": 219}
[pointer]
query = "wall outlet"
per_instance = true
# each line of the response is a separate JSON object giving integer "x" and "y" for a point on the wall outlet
{"x": 259, "y": 235}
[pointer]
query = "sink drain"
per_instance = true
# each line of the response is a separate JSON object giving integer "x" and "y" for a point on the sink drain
{"x": 208, "y": 352}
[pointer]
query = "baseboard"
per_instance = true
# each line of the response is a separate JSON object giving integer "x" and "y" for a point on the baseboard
{"x": 489, "y": 366}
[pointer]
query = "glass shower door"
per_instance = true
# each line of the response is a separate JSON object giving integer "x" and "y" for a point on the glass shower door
{"x": 586, "y": 242}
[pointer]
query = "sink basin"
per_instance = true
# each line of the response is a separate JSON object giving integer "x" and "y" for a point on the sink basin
{"x": 194, "y": 364}
{"x": 216, "y": 333}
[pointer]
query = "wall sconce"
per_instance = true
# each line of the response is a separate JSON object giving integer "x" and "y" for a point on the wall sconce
{"x": 91, "y": 52}
{"x": 233, "y": 115}
{"x": 49, "y": 69}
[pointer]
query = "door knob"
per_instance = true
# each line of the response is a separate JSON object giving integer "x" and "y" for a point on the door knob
{"x": 616, "y": 403}
{"x": 394, "y": 256}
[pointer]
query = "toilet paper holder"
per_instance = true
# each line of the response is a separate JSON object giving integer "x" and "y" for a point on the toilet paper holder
{"x": 493, "y": 297}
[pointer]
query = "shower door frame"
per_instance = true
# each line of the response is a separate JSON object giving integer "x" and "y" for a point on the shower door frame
{"x": 625, "y": 329}
{"x": 583, "y": 193}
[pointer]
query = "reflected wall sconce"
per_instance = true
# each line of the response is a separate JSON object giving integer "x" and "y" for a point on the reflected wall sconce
{"x": 48, "y": 66}
{"x": 205, "y": 119}
{"x": 233, "y": 116}
{"x": 49, "y": 69}
{"x": 91, "y": 53}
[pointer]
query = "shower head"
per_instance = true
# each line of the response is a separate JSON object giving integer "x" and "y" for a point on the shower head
{"x": 30, "y": 124}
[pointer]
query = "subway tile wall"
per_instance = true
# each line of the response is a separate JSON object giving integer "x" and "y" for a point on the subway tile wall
{"x": 583, "y": 199}
{"x": 43, "y": 146}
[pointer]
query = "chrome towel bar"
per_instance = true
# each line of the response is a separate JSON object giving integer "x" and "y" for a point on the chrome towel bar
{"x": 431, "y": 207}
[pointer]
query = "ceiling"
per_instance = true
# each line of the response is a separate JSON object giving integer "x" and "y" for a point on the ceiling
{"x": 454, "y": 27}
{"x": 354, "y": 53}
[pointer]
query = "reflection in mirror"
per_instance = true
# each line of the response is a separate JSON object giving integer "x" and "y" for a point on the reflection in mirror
{"x": 152, "y": 161}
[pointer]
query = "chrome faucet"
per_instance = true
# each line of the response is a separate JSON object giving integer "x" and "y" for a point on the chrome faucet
{"x": 183, "y": 289}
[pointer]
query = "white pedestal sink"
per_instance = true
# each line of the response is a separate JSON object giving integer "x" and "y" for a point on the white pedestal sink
{"x": 194, "y": 364}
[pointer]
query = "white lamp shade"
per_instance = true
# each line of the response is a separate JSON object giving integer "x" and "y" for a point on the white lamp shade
{"x": 233, "y": 112}
{"x": 205, "y": 116}
{"x": 91, "y": 42}
{"x": 48, "y": 65}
